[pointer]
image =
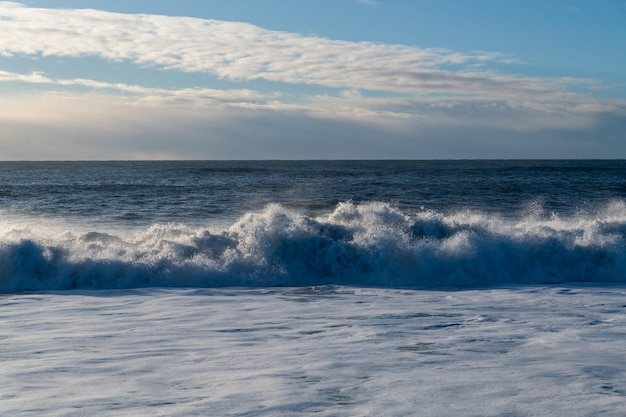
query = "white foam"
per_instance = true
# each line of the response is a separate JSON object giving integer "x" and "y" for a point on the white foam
{"x": 357, "y": 244}
{"x": 323, "y": 351}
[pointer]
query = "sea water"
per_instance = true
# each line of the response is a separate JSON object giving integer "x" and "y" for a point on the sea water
{"x": 454, "y": 224}
{"x": 313, "y": 288}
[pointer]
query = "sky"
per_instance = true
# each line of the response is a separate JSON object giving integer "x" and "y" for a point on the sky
{"x": 312, "y": 79}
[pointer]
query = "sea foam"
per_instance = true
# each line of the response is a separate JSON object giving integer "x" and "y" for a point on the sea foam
{"x": 367, "y": 244}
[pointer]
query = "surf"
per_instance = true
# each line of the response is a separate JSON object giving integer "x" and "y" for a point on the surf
{"x": 358, "y": 244}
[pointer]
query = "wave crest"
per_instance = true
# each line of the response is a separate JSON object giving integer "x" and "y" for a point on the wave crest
{"x": 357, "y": 244}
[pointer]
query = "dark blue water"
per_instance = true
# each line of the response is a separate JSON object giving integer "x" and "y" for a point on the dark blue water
{"x": 257, "y": 223}
{"x": 196, "y": 192}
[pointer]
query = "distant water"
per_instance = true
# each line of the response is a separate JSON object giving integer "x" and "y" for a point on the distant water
{"x": 453, "y": 224}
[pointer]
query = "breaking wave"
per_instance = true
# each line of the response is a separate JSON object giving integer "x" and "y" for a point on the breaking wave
{"x": 370, "y": 244}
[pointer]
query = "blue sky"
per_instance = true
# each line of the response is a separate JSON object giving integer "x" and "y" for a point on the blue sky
{"x": 302, "y": 79}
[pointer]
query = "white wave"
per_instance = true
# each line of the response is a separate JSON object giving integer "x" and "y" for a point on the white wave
{"x": 357, "y": 244}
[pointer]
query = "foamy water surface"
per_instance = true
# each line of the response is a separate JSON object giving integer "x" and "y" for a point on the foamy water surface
{"x": 324, "y": 351}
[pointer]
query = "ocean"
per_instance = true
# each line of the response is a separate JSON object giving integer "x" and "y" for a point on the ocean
{"x": 453, "y": 224}
{"x": 327, "y": 288}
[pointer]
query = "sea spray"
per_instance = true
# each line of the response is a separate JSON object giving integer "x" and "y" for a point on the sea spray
{"x": 363, "y": 244}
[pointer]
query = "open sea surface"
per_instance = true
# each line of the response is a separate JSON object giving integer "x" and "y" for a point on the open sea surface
{"x": 326, "y": 288}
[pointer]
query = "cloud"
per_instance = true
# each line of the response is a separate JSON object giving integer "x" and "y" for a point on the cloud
{"x": 107, "y": 127}
{"x": 243, "y": 52}
{"x": 378, "y": 100}
{"x": 187, "y": 96}
{"x": 564, "y": 110}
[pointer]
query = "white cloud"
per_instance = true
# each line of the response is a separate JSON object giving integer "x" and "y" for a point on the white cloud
{"x": 423, "y": 94}
{"x": 188, "y": 96}
{"x": 240, "y": 51}
{"x": 563, "y": 110}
